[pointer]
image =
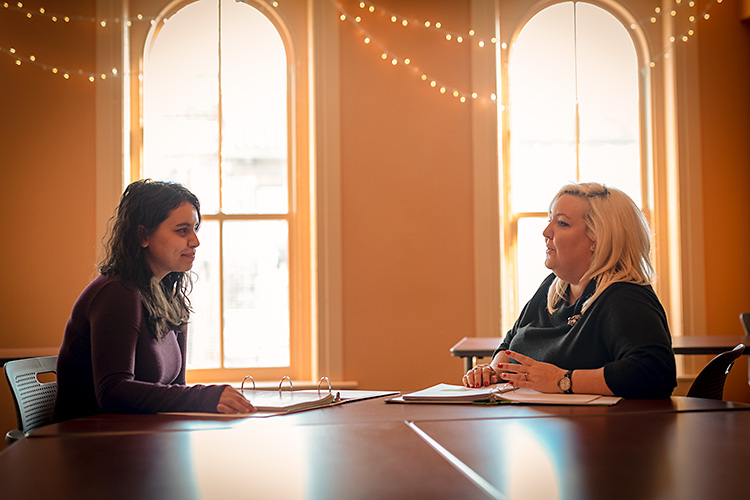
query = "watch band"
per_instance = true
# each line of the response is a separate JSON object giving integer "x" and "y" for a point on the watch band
{"x": 569, "y": 376}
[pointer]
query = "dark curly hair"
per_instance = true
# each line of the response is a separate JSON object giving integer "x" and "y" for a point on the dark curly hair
{"x": 143, "y": 206}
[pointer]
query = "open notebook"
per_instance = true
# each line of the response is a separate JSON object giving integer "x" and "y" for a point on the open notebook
{"x": 447, "y": 393}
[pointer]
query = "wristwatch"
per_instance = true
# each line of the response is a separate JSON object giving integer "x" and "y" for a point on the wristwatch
{"x": 566, "y": 382}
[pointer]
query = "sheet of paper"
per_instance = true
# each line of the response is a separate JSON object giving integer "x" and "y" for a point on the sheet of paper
{"x": 530, "y": 396}
{"x": 449, "y": 392}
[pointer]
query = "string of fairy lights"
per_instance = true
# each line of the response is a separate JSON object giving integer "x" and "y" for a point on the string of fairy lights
{"x": 66, "y": 73}
{"x": 366, "y": 12}
{"x": 685, "y": 36}
{"x": 395, "y": 60}
{"x": 471, "y": 36}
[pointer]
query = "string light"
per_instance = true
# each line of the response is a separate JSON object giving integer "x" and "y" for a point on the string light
{"x": 54, "y": 17}
{"x": 55, "y": 70}
{"x": 396, "y": 18}
{"x": 684, "y": 37}
{"x": 404, "y": 21}
{"x": 658, "y": 13}
{"x": 42, "y": 12}
{"x": 458, "y": 37}
{"x": 395, "y": 60}
{"x": 366, "y": 7}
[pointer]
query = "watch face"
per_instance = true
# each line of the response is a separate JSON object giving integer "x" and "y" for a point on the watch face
{"x": 564, "y": 384}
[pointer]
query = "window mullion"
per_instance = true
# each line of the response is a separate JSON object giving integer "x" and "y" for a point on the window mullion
{"x": 577, "y": 117}
{"x": 221, "y": 292}
{"x": 220, "y": 186}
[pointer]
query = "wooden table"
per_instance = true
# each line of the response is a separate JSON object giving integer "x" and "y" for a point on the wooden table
{"x": 270, "y": 458}
{"x": 374, "y": 411}
{"x": 471, "y": 348}
{"x": 637, "y": 455}
{"x": 373, "y": 449}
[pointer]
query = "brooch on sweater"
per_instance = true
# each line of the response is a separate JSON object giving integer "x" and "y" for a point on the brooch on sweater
{"x": 574, "y": 319}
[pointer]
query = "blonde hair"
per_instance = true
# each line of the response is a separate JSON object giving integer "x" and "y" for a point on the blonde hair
{"x": 621, "y": 236}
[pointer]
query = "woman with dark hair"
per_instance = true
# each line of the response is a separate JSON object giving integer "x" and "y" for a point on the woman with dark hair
{"x": 595, "y": 325}
{"x": 125, "y": 346}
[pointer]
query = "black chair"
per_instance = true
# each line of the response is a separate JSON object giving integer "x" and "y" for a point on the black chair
{"x": 33, "y": 398}
{"x": 745, "y": 320}
{"x": 709, "y": 383}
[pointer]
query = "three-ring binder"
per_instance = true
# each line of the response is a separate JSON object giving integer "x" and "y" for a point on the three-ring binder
{"x": 291, "y": 385}
{"x": 285, "y": 401}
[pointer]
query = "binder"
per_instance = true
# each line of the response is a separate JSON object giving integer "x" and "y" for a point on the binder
{"x": 287, "y": 401}
{"x": 269, "y": 402}
{"x": 280, "y": 402}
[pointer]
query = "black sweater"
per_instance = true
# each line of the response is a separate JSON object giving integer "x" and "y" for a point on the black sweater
{"x": 625, "y": 331}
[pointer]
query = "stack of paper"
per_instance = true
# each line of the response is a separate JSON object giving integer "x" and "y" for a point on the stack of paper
{"x": 447, "y": 393}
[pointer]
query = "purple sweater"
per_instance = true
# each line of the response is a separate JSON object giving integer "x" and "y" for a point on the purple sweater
{"x": 111, "y": 362}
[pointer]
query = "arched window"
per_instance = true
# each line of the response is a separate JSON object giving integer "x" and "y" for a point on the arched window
{"x": 574, "y": 114}
{"x": 216, "y": 116}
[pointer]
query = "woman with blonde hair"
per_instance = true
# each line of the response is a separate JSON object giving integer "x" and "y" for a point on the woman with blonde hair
{"x": 595, "y": 325}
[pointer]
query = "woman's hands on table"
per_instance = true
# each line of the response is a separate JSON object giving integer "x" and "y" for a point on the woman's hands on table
{"x": 231, "y": 401}
{"x": 528, "y": 373}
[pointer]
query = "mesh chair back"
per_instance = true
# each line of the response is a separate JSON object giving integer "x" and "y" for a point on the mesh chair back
{"x": 34, "y": 400}
{"x": 709, "y": 383}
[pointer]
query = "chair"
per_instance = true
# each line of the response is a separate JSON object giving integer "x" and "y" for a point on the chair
{"x": 745, "y": 320}
{"x": 34, "y": 399}
{"x": 709, "y": 383}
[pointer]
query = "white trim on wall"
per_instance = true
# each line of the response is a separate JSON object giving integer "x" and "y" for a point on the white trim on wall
{"x": 485, "y": 143}
{"x": 690, "y": 167}
{"x": 112, "y": 123}
{"x": 326, "y": 168}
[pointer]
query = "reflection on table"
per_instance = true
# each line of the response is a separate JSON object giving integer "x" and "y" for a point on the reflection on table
{"x": 676, "y": 448}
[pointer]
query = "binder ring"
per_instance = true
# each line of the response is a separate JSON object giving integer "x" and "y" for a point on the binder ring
{"x": 242, "y": 386}
{"x": 285, "y": 377}
{"x": 330, "y": 389}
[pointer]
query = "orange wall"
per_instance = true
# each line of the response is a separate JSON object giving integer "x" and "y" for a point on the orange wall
{"x": 725, "y": 147}
{"x": 406, "y": 201}
{"x": 48, "y": 132}
{"x": 47, "y": 179}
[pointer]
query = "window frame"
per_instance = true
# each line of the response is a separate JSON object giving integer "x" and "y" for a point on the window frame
{"x": 666, "y": 152}
{"x": 513, "y": 301}
{"x": 297, "y": 207}
{"x": 316, "y": 341}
